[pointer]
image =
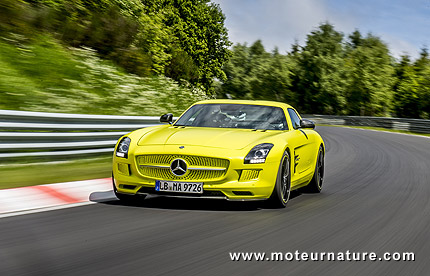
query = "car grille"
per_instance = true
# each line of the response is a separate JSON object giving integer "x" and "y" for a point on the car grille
{"x": 200, "y": 168}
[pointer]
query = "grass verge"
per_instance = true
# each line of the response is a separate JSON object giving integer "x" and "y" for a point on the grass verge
{"x": 15, "y": 176}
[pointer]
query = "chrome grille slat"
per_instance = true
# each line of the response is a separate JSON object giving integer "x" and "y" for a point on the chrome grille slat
{"x": 200, "y": 167}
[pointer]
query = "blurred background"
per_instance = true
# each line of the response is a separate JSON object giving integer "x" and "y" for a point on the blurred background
{"x": 147, "y": 57}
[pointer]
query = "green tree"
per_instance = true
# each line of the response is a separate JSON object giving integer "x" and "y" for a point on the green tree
{"x": 199, "y": 28}
{"x": 238, "y": 72}
{"x": 369, "y": 76}
{"x": 183, "y": 39}
{"x": 318, "y": 75}
{"x": 422, "y": 69}
{"x": 406, "y": 96}
{"x": 181, "y": 67}
{"x": 253, "y": 73}
{"x": 257, "y": 65}
{"x": 355, "y": 39}
{"x": 155, "y": 40}
{"x": 272, "y": 79}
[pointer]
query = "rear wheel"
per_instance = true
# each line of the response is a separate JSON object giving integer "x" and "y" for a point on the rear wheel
{"x": 281, "y": 191}
{"x": 316, "y": 183}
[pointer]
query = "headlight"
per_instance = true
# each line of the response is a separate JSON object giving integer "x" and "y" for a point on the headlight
{"x": 122, "y": 149}
{"x": 258, "y": 154}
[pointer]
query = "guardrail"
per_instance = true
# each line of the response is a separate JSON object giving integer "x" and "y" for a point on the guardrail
{"x": 48, "y": 135}
{"x": 40, "y": 135}
{"x": 413, "y": 125}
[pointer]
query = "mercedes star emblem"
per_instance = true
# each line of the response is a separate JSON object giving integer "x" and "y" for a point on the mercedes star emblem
{"x": 178, "y": 167}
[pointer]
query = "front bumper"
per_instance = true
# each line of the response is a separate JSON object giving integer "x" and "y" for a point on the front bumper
{"x": 240, "y": 182}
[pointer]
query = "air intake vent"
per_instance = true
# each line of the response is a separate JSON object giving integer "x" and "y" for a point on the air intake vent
{"x": 249, "y": 175}
{"x": 129, "y": 187}
{"x": 243, "y": 193}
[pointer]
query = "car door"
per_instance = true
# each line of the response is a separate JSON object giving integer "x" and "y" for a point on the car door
{"x": 301, "y": 145}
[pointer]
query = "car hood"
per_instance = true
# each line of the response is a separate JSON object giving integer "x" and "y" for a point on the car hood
{"x": 225, "y": 138}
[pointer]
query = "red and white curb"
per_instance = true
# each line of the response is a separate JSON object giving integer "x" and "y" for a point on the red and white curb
{"x": 33, "y": 199}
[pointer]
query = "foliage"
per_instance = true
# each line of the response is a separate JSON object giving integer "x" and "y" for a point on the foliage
{"x": 332, "y": 75}
{"x": 198, "y": 26}
{"x": 272, "y": 81}
{"x": 412, "y": 87}
{"x": 369, "y": 76}
{"x": 179, "y": 49}
{"x": 319, "y": 78}
{"x": 254, "y": 73}
{"x": 182, "y": 39}
{"x": 44, "y": 76}
{"x": 422, "y": 69}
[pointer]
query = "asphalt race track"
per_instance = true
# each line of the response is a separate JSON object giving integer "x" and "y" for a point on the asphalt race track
{"x": 376, "y": 198}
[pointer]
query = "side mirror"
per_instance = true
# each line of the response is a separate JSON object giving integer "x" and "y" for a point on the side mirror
{"x": 307, "y": 124}
{"x": 166, "y": 118}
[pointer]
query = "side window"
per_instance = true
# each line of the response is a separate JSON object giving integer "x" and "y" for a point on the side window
{"x": 295, "y": 120}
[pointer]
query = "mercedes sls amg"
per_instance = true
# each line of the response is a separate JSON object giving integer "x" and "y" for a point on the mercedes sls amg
{"x": 225, "y": 149}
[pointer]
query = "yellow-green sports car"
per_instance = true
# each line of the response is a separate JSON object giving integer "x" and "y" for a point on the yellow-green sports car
{"x": 224, "y": 149}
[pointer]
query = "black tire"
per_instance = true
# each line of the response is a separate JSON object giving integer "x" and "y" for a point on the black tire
{"x": 282, "y": 190}
{"x": 316, "y": 183}
{"x": 126, "y": 198}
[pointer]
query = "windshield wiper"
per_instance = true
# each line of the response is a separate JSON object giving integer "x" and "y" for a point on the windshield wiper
{"x": 259, "y": 129}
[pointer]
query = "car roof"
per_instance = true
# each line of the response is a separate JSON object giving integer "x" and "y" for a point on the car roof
{"x": 249, "y": 102}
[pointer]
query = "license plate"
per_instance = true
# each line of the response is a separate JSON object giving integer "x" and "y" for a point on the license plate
{"x": 178, "y": 187}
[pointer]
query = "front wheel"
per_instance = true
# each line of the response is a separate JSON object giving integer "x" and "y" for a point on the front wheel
{"x": 281, "y": 191}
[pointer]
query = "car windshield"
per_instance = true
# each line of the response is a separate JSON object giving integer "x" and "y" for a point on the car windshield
{"x": 234, "y": 116}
